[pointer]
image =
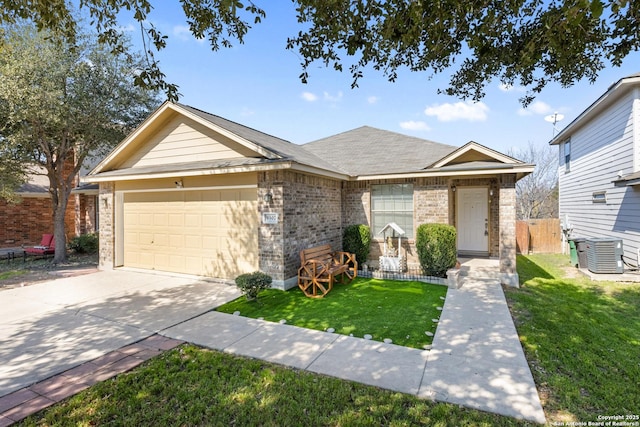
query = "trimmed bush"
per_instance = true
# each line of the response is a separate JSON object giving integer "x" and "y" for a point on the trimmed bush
{"x": 85, "y": 244}
{"x": 250, "y": 284}
{"x": 356, "y": 240}
{"x": 436, "y": 247}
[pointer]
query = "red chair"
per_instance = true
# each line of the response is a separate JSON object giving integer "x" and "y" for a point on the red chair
{"x": 47, "y": 246}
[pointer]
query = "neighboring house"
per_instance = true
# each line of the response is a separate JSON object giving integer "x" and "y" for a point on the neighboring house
{"x": 599, "y": 168}
{"x": 24, "y": 223}
{"x": 191, "y": 192}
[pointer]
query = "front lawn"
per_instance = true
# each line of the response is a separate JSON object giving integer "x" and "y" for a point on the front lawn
{"x": 385, "y": 309}
{"x": 190, "y": 386}
{"x": 581, "y": 338}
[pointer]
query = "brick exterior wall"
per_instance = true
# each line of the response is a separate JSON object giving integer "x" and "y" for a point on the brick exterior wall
{"x": 106, "y": 214}
{"x": 314, "y": 210}
{"x": 24, "y": 223}
{"x": 430, "y": 205}
{"x": 309, "y": 209}
{"x": 507, "y": 214}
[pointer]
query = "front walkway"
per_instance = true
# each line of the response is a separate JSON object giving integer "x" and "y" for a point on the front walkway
{"x": 51, "y": 329}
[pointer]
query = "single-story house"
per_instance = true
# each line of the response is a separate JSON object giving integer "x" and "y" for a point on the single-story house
{"x": 24, "y": 223}
{"x": 599, "y": 168}
{"x": 192, "y": 192}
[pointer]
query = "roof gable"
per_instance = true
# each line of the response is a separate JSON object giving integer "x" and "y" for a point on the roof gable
{"x": 600, "y": 105}
{"x": 173, "y": 133}
{"x": 472, "y": 152}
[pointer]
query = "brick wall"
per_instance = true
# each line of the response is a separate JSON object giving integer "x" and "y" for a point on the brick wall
{"x": 24, "y": 223}
{"x": 507, "y": 214}
{"x": 430, "y": 205}
{"x": 106, "y": 226}
{"x": 309, "y": 209}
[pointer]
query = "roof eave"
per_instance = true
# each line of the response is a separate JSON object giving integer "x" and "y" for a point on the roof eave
{"x": 614, "y": 92}
{"x": 520, "y": 171}
{"x": 215, "y": 171}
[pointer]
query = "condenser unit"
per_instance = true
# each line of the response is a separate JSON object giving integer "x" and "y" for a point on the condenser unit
{"x": 604, "y": 255}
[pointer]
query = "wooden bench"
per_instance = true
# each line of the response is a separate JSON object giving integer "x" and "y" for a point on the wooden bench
{"x": 319, "y": 268}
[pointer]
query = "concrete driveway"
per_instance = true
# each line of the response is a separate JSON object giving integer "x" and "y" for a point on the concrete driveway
{"x": 50, "y": 327}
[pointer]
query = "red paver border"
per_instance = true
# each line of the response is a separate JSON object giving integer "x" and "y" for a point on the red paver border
{"x": 27, "y": 401}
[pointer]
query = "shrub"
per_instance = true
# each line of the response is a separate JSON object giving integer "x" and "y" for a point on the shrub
{"x": 436, "y": 247}
{"x": 250, "y": 284}
{"x": 356, "y": 239}
{"x": 85, "y": 243}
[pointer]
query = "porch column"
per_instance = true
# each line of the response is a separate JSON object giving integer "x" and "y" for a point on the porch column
{"x": 507, "y": 214}
{"x": 106, "y": 226}
{"x": 271, "y": 235}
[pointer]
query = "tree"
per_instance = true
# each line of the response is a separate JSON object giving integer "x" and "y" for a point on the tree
{"x": 526, "y": 42}
{"x": 537, "y": 193}
{"x": 63, "y": 103}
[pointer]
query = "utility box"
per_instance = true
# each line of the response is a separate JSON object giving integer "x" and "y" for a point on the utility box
{"x": 604, "y": 255}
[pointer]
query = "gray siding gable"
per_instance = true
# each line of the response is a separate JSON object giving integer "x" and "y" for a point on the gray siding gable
{"x": 604, "y": 148}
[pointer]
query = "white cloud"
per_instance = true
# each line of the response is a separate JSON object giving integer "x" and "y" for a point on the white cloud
{"x": 509, "y": 88}
{"x": 331, "y": 98}
{"x": 308, "y": 96}
{"x": 538, "y": 107}
{"x": 129, "y": 28}
{"x": 413, "y": 125}
{"x": 471, "y": 111}
{"x": 182, "y": 32}
{"x": 373, "y": 99}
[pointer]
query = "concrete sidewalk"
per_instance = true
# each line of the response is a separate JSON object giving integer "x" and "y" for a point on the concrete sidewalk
{"x": 476, "y": 359}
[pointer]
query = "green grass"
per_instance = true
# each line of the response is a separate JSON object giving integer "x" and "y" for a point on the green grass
{"x": 581, "y": 338}
{"x": 11, "y": 273}
{"x": 399, "y": 310}
{"x": 191, "y": 386}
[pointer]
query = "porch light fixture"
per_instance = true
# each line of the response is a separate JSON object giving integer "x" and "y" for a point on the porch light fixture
{"x": 453, "y": 188}
{"x": 268, "y": 197}
{"x": 179, "y": 184}
{"x": 491, "y": 192}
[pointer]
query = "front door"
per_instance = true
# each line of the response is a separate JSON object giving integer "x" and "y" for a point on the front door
{"x": 473, "y": 220}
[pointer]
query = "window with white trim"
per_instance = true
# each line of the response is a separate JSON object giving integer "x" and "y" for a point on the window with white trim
{"x": 392, "y": 203}
{"x": 567, "y": 155}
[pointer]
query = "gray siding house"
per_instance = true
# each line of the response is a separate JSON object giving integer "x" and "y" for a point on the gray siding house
{"x": 599, "y": 168}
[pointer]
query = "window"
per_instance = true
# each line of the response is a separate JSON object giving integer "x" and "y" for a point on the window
{"x": 599, "y": 197}
{"x": 392, "y": 203}
{"x": 567, "y": 155}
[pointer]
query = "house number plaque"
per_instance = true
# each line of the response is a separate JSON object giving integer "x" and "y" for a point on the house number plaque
{"x": 269, "y": 217}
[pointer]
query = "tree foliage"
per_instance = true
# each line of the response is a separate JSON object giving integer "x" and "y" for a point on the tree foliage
{"x": 63, "y": 103}
{"x": 537, "y": 193}
{"x": 518, "y": 42}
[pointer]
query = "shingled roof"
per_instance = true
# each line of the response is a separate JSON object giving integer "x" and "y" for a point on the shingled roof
{"x": 285, "y": 149}
{"x": 370, "y": 151}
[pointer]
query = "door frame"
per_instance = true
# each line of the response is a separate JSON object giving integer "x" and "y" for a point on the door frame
{"x": 485, "y": 189}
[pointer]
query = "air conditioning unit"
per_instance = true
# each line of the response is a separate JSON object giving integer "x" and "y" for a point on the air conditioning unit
{"x": 604, "y": 255}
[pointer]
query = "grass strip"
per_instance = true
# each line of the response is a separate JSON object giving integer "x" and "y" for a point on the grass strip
{"x": 402, "y": 311}
{"x": 191, "y": 386}
{"x": 581, "y": 338}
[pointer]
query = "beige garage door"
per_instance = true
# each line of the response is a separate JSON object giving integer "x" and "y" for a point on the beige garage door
{"x": 208, "y": 232}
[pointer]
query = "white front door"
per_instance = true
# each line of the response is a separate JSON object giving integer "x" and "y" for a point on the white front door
{"x": 473, "y": 219}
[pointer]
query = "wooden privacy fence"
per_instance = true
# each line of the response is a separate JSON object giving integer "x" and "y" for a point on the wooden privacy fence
{"x": 539, "y": 236}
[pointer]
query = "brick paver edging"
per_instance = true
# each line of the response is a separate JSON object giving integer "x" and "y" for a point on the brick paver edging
{"x": 27, "y": 401}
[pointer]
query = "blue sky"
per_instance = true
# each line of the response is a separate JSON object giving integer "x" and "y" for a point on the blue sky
{"x": 257, "y": 84}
